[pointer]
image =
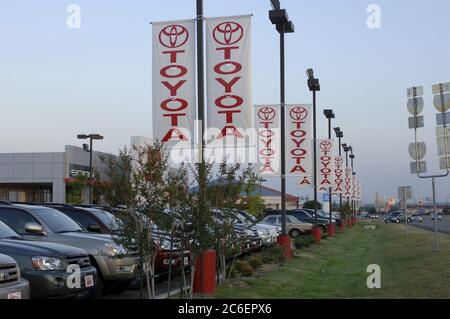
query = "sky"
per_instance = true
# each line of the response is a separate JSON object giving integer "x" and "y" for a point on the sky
{"x": 56, "y": 82}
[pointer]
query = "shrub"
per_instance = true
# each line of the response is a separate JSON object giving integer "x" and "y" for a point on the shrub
{"x": 232, "y": 272}
{"x": 310, "y": 240}
{"x": 273, "y": 254}
{"x": 240, "y": 264}
{"x": 255, "y": 261}
{"x": 324, "y": 236}
{"x": 247, "y": 270}
{"x": 301, "y": 243}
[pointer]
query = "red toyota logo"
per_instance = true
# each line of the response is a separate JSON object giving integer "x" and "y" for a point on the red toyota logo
{"x": 173, "y": 36}
{"x": 325, "y": 146}
{"x": 266, "y": 114}
{"x": 228, "y": 33}
{"x": 299, "y": 113}
{"x": 339, "y": 160}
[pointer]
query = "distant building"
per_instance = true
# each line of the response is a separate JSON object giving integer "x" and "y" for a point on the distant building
{"x": 45, "y": 177}
{"x": 272, "y": 198}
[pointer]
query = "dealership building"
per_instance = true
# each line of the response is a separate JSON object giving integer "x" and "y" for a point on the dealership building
{"x": 46, "y": 177}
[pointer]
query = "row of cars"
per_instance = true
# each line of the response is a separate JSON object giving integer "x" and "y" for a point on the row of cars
{"x": 39, "y": 243}
{"x": 401, "y": 217}
{"x": 301, "y": 221}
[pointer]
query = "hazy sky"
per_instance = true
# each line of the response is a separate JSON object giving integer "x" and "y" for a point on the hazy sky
{"x": 56, "y": 82}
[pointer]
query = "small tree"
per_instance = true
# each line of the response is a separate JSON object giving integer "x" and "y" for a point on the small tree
{"x": 312, "y": 205}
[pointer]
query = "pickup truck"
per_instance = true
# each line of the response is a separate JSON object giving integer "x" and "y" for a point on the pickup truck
{"x": 12, "y": 285}
{"x": 116, "y": 268}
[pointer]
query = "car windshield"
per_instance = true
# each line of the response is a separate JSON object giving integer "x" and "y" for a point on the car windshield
{"x": 6, "y": 232}
{"x": 107, "y": 218}
{"x": 58, "y": 222}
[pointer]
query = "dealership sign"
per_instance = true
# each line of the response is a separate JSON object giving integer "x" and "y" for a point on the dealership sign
{"x": 228, "y": 75}
{"x": 174, "y": 94}
{"x": 267, "y": 124}
{"x": 299, "y": 159}
{"x": 338, "y": 175}
{"x": 325, "y": 166}
{"x": 354, "y": 188}
{"x": 347, "y": 182}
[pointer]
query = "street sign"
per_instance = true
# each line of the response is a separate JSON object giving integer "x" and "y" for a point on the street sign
{"x": 437, "y": 102}
{"x": 441, "y": 145}
{"x": 437, "y": 88}
{"x": 404, "y": 191}
{"x": 442, "y": 162}
{"x": 416, "y": 122}
{"x": 418, "y": 168}
{"x": 326, "y": 197}
{"x": 440, "y": 118}
{"x": 419, "y": 105}
{"x": 417, "y": 152}
{"x": 419, "y": 91}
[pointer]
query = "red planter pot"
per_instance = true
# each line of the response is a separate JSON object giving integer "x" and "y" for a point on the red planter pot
{"x": 331, "y": 230}
{"x": 317, "y": 234}
{"x": 285, "y": 242}
{"x": 205, "y": 273}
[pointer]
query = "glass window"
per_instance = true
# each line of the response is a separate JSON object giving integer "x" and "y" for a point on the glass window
{"x": 16, "y": 219}
{"x": 84, "y": 219}
{"x": 6, "y": 231}
{"x": 107, "y": 218}
{"x": 57, "y": 221}
{"x": 271, "y": 220}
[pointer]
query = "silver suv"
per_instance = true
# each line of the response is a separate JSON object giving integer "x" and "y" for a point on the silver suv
{"x": 12, "y": 286}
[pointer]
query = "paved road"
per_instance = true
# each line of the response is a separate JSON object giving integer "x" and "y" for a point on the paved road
{"x": 428, "y": 224}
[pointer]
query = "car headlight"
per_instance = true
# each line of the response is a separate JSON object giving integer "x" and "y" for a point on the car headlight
{"x": 114, "y": 249}
{"x": 48, "y": 263}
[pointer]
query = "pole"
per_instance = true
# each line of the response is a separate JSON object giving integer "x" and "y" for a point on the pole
{"x": 90, "y": 171}
{"x": 406, "y": 210}
{"x": 315, "y": 157}
{"x": 283, "y": 136}
{"x": 340, "y": 195}
{"x": 436, "y": 239}
{"x": 329, "y": 190}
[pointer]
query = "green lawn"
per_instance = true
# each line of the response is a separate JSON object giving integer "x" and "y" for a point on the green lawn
{"x": 337, "y": 268}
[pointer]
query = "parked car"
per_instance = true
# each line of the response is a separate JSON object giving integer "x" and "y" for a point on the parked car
{"x": 50, "y": 225}
{"x": 305, "y": 217}
{"x": 446, "y": 211}
{"x": 12, "y": 285}
{"x": 268, "y": 233}
{"x": 44, "y": 265}
{"x": 325, "y": 216}
{"x": 294, "y": 227}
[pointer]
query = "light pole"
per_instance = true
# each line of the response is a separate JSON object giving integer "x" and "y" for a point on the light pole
{"x": 89, "y": 149}
{"x": 314, "y": 86}
{"x": 280, "y": 19}
{"x": 329, "y": 114}
{"x": 339, "y": 135}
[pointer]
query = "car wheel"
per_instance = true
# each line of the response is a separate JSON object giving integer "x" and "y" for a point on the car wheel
{"x": 295, "y": 233}
{"x": 409, "y": 221}
{"x": 397, "y": 221}
{"x": 99, "y": 287}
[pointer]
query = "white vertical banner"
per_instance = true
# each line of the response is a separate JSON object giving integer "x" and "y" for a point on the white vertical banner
{"x": 174, "y": 87}
{"x": 354, "y": 187}
{"x": 325, "y": 166}
{"x": 299, "y": 157}
{"x": 267, "y": 125}
{"x": 347, "y": 182}
{"x": 338, "y": 175}
{"x": 228, "y": 77}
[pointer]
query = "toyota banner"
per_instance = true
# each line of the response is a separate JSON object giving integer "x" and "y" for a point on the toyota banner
{"x": 228, "y": 78}
{"x": 338, "y": 175}
{"x": 325, "y": 166}
{"x": 174, "y": 87}
{"x": 267, "y": 125}
{"x": 299, "y": 157}
{"x": 347, "y": 182}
